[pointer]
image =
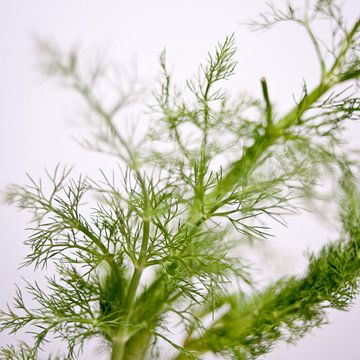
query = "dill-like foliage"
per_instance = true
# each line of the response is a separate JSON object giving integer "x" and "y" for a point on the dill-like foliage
{"x": 199, "y": 183}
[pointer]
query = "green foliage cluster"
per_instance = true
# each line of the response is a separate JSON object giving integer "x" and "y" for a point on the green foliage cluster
{"x": 183, "y": 200}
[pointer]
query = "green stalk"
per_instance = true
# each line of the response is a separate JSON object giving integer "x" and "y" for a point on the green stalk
{"x": 120, "y": 339}
{"x": 117, "y": 348}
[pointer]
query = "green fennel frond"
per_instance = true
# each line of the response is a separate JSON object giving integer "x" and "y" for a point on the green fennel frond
{"x": 157, "y": 239}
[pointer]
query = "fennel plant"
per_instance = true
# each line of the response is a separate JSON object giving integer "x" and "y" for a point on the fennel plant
{"x": 160, "y": 239}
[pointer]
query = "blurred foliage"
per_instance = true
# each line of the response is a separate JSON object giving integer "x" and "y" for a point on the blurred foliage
{"x": 203, "y": 179}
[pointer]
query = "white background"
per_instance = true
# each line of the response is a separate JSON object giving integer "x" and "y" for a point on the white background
{"x": 36, "y": 116}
